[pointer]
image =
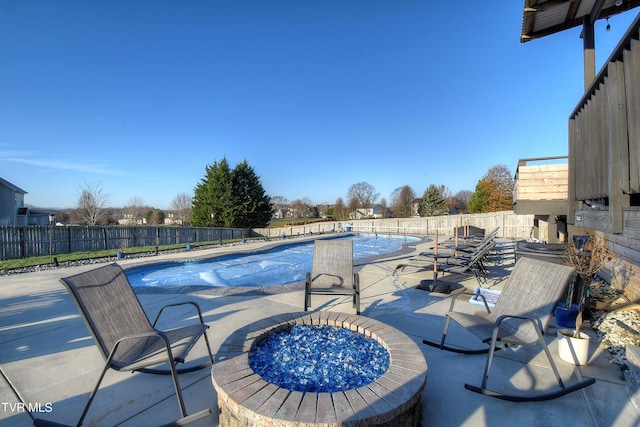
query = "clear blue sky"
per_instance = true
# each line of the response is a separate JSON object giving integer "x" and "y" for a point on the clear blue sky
{"x": 139, "y": 96}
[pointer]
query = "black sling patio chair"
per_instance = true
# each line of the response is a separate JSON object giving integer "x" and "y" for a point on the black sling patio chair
{"x": 520, "y": 316}
{"x": 332, "y": 272}
{"x": 125, "y": 337}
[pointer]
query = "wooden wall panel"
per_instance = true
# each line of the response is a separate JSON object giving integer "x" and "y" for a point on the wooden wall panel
{"x": 632, "y": 87}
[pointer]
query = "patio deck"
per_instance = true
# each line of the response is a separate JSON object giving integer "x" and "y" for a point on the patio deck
{"x": 49, "y": 357}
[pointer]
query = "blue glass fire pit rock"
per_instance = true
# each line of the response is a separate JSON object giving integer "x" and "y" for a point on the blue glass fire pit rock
{"x": 318, "y": 358}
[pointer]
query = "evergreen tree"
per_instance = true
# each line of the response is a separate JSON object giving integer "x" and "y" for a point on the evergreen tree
{"x": 235, "y": 197}
{"x": 478, "y": 199}
{"x": 251, "y": 206}
{"x": 432, "y": 203}
{"x": 212, "y": 195}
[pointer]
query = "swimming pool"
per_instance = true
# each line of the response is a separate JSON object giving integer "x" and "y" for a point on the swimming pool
{"x": 278, "y": 266}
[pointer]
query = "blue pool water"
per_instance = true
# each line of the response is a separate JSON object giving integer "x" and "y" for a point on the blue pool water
{"x": 285, "y": 264}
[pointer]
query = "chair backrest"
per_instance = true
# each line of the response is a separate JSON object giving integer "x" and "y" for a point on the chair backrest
{"x": 332, "y": 264}
{"x": 108, "y": 305}
{"x": 532, "y": 290}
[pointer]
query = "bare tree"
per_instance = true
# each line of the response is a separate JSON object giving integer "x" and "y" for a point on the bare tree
{"x": 362, "y": 195}
{"x": 181, "y": 205}
{"x": 91, "y": 202}
{"x": 462, "y": 199}
{"x": 339, "y": 210}
{"x": 401, "y": 200}
{"x": 279, "y": 202}
{"x": 134, "y": 209}
{"x": 297, "y": 207}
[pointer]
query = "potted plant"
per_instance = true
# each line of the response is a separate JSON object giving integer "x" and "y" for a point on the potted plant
{"x": 121, "y": 253}
{"x": 588, "y": 255}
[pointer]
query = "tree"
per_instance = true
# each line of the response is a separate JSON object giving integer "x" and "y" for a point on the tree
{"x": 91, "y": 202}
{"x": 154, "y": 217}
{"x": 449, "y": 200}
{"x": 401, "y": 200}
{"x": 478, "y": 199}
{"x": 212, "y": 197}
{"x": 339, "y": 210}
{"x": 362, "y": 195}
{"x": 462, "y": 200}
{"x": 134, "y": 209}
{"x": 433, "y": 203}
{"x": 181, "y": 206}
{"x": 494, "y": 192}
{"x": 251, "y": 206}
{"x": 280, "y": 203}
{"x": 230, "y": 198}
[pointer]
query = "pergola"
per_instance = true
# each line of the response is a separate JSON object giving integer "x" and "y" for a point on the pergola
{"x": 541, "y": 18}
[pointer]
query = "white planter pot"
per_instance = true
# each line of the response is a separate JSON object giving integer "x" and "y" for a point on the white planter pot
{"x": 573, "y": 350}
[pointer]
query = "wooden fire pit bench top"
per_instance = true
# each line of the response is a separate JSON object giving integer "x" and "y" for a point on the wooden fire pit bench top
{"x": 393, "y": 399}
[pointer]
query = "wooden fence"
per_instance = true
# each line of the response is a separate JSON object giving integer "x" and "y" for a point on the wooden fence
{"x": 28, "y": 241}
{"x": 510, "y": 225}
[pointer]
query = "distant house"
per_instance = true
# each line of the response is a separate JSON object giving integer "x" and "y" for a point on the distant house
{"x": 374, "y": 212}
{"x": 14, "y": 212}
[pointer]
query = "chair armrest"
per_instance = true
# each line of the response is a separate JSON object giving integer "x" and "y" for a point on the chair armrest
{"x": 158, "y": 334}
{"x": 195, "y": 304}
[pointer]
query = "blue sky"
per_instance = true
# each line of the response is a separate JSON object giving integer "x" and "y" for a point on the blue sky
{"x": 139, "y": 96}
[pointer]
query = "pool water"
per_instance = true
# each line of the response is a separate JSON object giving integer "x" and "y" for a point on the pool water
{"x": 281, "y": 265}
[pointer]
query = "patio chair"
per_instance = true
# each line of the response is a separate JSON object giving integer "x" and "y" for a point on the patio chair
{"x": 332, "y": 272}
{"x": 471, "y": 263}
{"x": 520, "y": 316}
{"x": 125, "y": 337}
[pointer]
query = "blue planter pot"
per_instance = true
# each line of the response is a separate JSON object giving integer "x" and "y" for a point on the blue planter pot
{"x": 566, "y": 316}
{"x": 120, "y": 255}
{"x": 189, "y": 247}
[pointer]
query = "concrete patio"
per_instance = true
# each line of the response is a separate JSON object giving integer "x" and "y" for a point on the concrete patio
{"x": 48, "y": 356}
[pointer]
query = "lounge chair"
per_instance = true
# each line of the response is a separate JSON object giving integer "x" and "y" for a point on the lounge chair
{"x": 520, "y": 316}
{"x": 332, "y": 272}
{"x": 125, "y": 337}
{"x": 472, "y": 263}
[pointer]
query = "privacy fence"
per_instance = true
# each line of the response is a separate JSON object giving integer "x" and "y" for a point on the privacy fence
{"x": 510, "y": 225}
{"x": 28, "y": 241}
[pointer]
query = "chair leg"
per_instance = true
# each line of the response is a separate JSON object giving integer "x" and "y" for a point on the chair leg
{"x": 95, "y": 389}
{"x": 444, "y": 332}
{"x": 206, "y": 341}
{"x": 307, "y": 294}
{"x": 176, "y": 385}
{"x": 548, "y": 353}
{"x": 487, "y": 368}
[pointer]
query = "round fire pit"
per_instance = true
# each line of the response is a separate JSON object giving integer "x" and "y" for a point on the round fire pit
{"x": 380, "y": 397}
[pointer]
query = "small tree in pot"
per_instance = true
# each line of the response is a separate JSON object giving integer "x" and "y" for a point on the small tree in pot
{"x": 588, "y": 255}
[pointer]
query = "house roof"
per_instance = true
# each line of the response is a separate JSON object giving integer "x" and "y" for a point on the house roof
{"x": 15, "y": 188}
{"x": 541, "y": 18}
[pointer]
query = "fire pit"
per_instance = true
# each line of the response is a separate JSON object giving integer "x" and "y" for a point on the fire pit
{"x": 386, "y": 392}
